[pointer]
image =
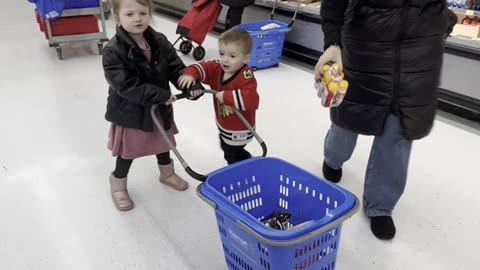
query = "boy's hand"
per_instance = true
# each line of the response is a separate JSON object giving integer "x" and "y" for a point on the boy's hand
{"x": 331, "y": 54}
{"x": 171, "y": 100}
{"x": 219, "y": 96}
{"x": 186, "y": 81}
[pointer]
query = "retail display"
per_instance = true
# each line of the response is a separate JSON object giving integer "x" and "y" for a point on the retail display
{"x": 468, "y": 12}
{"x": 76, "y": 22}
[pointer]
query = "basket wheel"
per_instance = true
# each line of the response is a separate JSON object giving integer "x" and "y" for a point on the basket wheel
{"x": 185, "y": 47}
{"x": 198, "y": 53}
{"x": 59, "y": 53}
{"x": 100, "y": 48}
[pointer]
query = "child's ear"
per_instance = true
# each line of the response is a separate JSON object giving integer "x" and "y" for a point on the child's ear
{"x": 246, "y": 59}
{"x": 115, "y": 19}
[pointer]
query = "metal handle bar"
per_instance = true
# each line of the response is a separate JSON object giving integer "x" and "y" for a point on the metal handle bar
{"x": 185, "y": 165}
{"x": 294, "y": 15}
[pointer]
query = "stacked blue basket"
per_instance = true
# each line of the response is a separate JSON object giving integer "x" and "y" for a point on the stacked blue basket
{"x": 267, "y": 44}
{"x": 71, "y": 4}
{"x": 246, "y": 192}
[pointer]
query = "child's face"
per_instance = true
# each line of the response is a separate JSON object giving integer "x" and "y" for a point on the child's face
{"x": 133, "y": 16}
{"x": 232, "y": 57}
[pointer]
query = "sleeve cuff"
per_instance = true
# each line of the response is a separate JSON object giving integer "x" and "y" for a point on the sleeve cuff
{"x": 332, "y": 38}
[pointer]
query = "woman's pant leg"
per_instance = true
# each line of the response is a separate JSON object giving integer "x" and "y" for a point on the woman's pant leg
{"x": 387, "y": 168}
{"x": 339, "y": 145}
{"x": 234, "y": 17}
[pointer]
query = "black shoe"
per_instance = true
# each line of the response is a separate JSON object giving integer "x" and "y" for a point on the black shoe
{"x": 383, "y": 227}
{"x": 330, "y": 174}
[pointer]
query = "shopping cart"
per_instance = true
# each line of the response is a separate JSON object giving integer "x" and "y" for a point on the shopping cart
{"x": 244, "y": 194}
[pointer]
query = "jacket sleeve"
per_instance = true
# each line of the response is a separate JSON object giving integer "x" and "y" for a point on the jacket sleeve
{"x": 128, "y": 86}
{"x": 244, "y": 99}
{"x": 203, "y": 72}
{"x": 332, "y": 13}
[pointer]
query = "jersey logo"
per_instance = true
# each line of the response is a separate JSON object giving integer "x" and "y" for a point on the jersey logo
{"x": 247, "y": 74}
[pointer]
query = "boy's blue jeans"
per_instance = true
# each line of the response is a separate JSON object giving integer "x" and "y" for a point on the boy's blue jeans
{"x": 387, "y": 167}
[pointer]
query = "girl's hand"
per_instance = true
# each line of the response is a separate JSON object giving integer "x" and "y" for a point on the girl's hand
{"x": 186, "y": 81}
{"x": 171, "y": 100}
{"x": 332, "y": 54}
{"x": 195, "y": 93}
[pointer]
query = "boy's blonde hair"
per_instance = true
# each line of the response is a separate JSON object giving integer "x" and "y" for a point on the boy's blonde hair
{"x": 237, "y": 36}
{"x": 116, "y": 6}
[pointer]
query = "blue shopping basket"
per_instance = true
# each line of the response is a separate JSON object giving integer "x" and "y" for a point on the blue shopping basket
{"x": 246, "y": 192}
{"x": 267, "y": 45}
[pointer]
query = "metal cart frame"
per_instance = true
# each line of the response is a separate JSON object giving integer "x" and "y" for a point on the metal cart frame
{"x": 99, "y": 37}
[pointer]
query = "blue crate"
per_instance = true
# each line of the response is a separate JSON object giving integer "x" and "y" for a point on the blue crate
{"x": 267, "y": 44}
{"x": 246, "y": 192}
{"x": 71, "y": 4}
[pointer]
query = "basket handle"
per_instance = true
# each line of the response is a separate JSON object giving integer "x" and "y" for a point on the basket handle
{"x": 185, "y": 165}
{"x": 294, "y": 14}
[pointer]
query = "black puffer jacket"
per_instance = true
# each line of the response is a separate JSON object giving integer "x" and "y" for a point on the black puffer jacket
{"x": 135, "y": 83}
{"x": 392, "y": 54}
{"x": 237, "y": 3}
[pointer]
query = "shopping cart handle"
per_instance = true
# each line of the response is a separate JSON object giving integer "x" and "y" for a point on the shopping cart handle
{"x": 186, "y": 93}
{"x": 195, "y": 175}
{"x": 264, "y": 149}
{"x": 172, "y": 147}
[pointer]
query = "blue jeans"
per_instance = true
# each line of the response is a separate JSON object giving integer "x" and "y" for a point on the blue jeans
{"x": 387, "y": 167}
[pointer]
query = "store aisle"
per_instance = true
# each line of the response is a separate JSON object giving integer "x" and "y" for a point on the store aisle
{"x": 55, "y": 208}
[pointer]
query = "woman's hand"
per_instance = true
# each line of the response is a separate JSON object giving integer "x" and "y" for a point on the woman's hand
{"x": 195, "y": 93}
{"x": 332, "y": 54}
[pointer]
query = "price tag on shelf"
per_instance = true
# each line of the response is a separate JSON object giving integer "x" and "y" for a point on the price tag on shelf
{"x": 470, "y": 12}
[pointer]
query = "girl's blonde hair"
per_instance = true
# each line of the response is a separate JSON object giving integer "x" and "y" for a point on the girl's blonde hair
{"x": 116, "y": 6}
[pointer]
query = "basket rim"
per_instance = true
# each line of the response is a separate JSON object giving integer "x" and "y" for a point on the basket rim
{"x": 252, "y": 226}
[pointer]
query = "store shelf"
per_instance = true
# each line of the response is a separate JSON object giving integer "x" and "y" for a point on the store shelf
{"x": 467, "y": 12}
{"x": 291, "y": 6}
{"x": 463, "y": 44}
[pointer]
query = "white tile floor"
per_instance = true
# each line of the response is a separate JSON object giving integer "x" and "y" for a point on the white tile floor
{"x": 55, "y": 207}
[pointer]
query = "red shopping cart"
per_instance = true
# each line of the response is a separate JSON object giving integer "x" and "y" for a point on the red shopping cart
{"x": 195, "y": 25}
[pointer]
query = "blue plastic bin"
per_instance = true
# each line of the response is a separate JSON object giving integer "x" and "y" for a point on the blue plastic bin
{"x": 267, "y": 44}
{"x": 70, "y": 4}
{"x": 246, "y": 192}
